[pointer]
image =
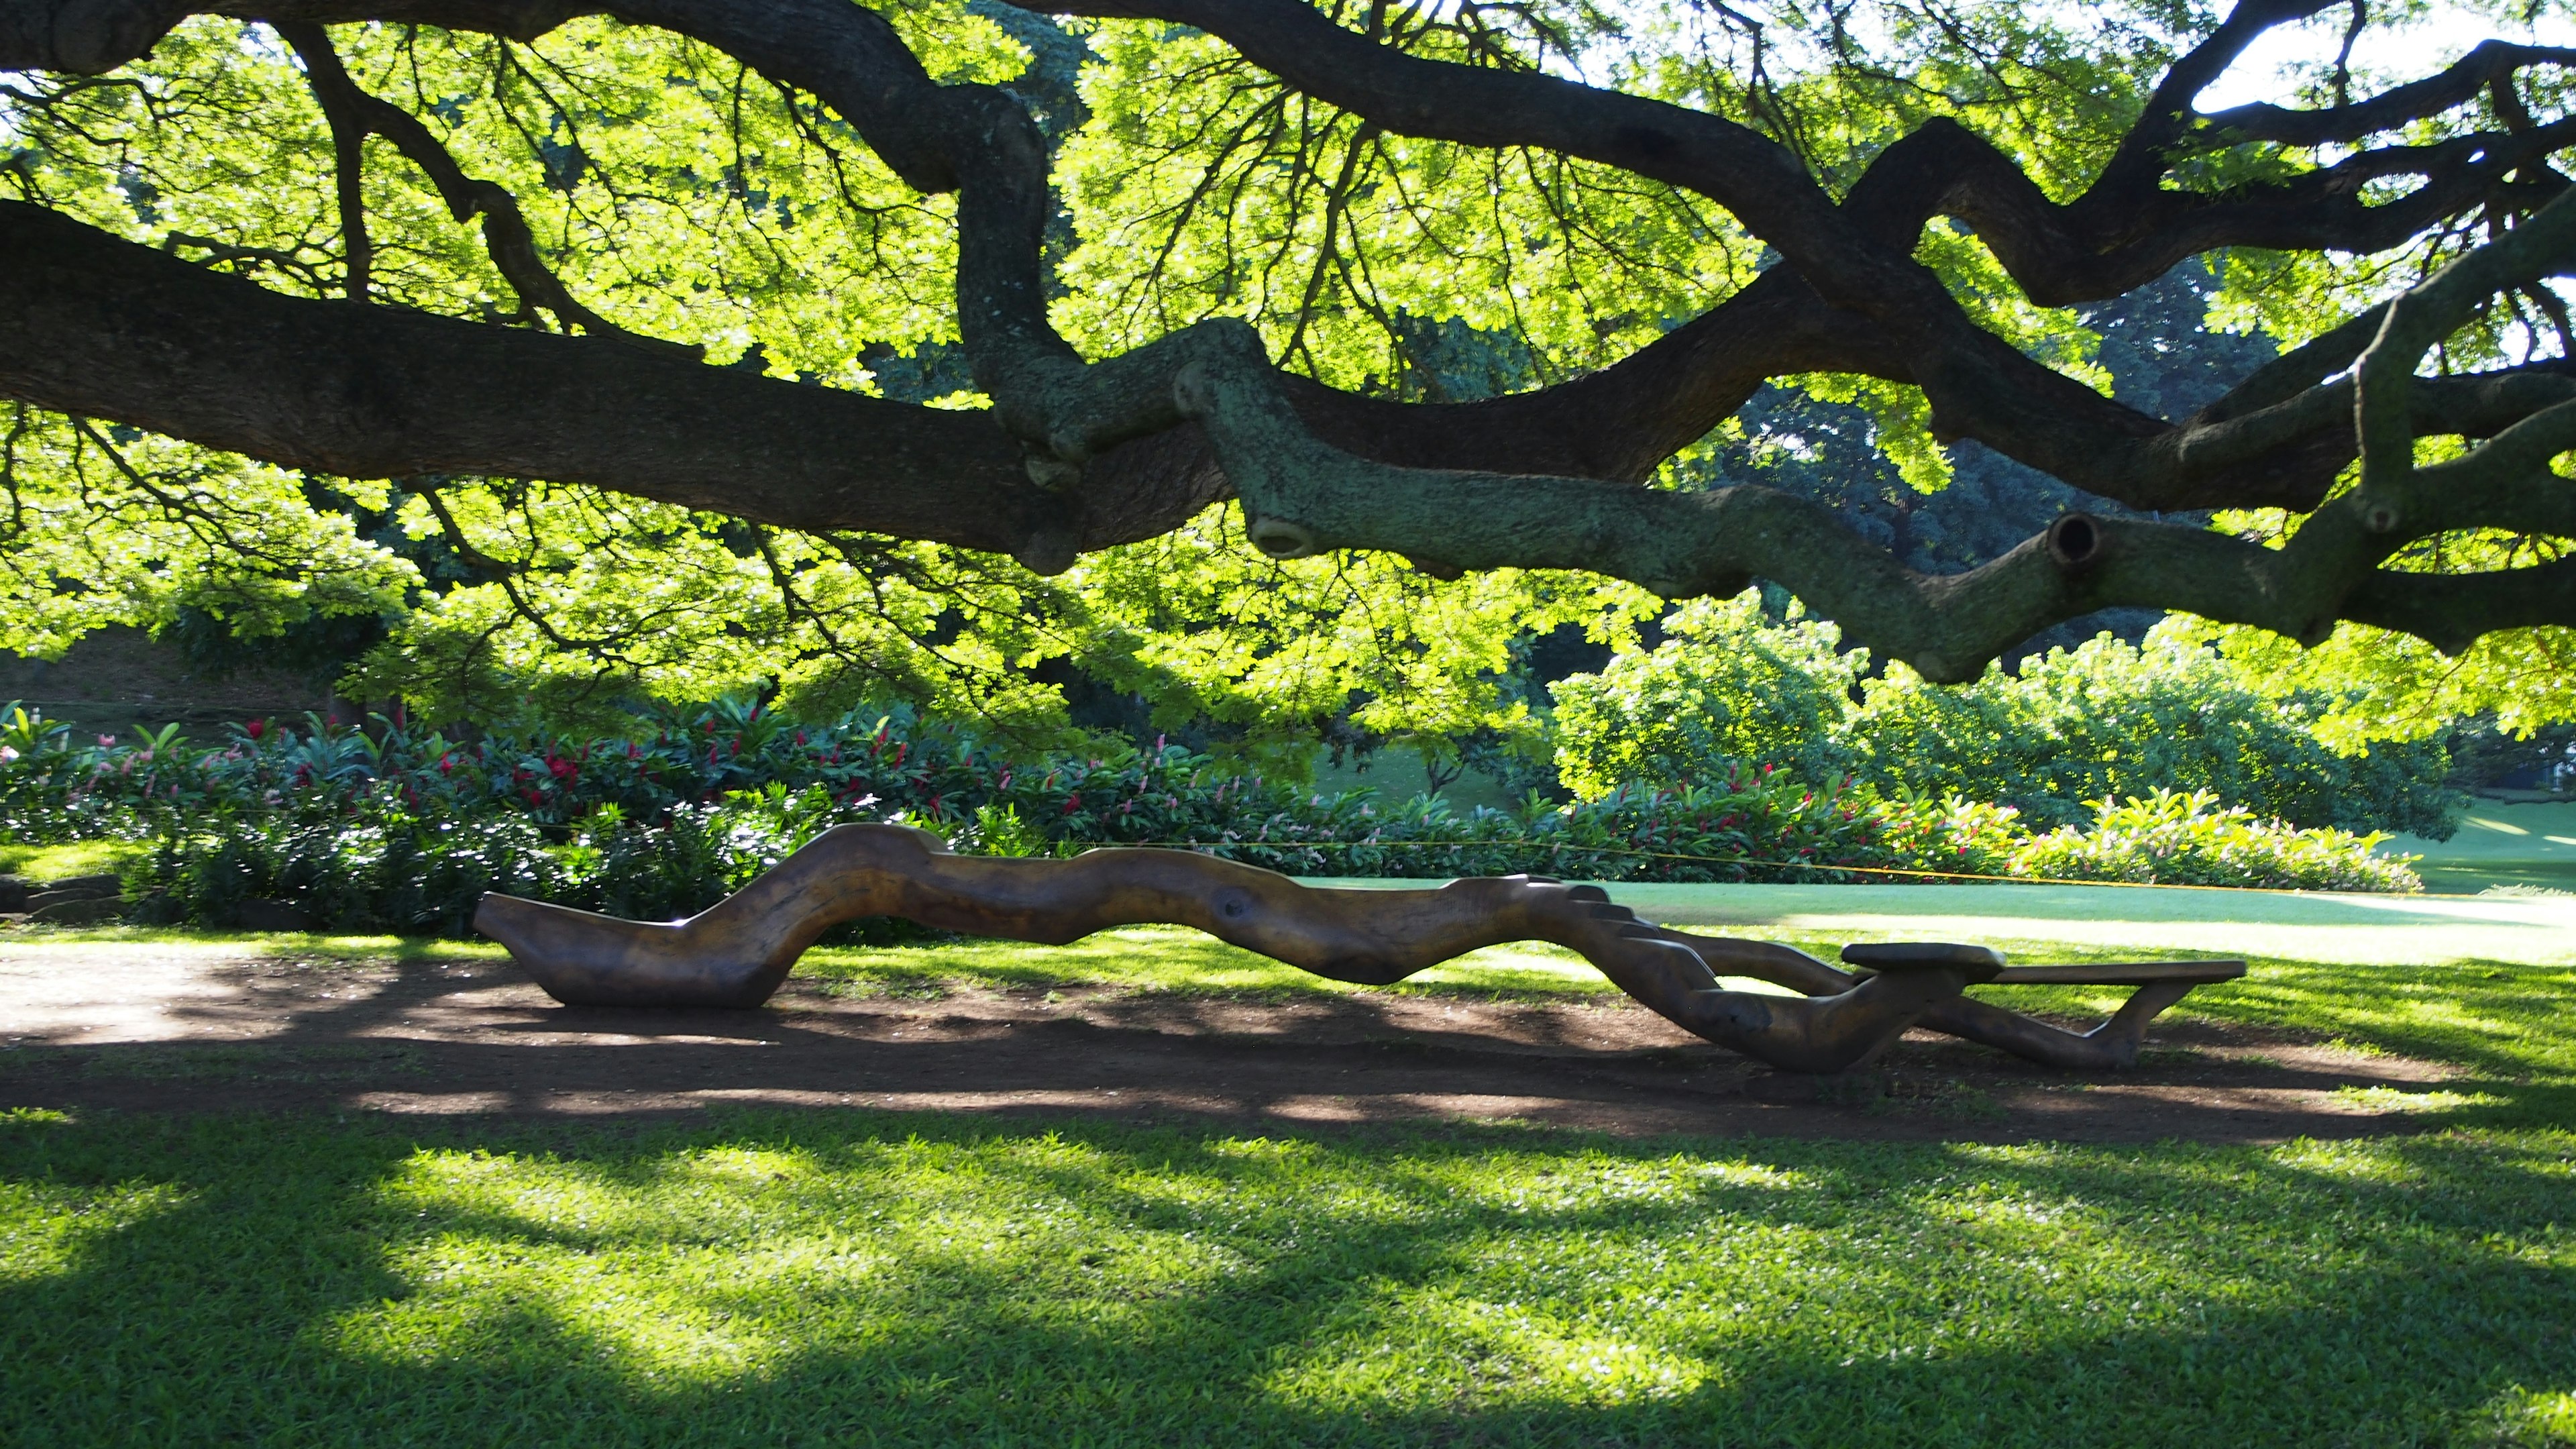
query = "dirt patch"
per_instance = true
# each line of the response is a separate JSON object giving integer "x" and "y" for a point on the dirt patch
{"x": 187, "y": 1028}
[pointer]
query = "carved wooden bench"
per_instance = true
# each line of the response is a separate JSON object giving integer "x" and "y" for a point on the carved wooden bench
{"x": 737, "y": 952}
{"x": 2111, "y": 1045}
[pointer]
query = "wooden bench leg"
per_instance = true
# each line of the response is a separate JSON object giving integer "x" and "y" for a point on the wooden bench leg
{"x": 2106, "y": 1048}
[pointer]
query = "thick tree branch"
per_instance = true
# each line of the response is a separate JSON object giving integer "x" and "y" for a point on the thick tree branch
{"x": 95, "y": 325}
{"x": 2489, "y": 62}
{"x": 1078, "y": 454}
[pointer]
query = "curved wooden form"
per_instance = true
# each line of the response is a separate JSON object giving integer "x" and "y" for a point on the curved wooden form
{"x": 737, "y": 952}
{"x": 2108, "y": 1047}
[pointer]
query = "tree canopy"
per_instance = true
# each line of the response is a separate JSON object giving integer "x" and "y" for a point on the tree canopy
{"x": 1254, "y": 356}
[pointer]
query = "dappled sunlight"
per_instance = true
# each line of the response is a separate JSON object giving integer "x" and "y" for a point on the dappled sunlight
{"x": 919, "y": 1280}
{"x": 1603, "y": 1179}
{"x": 2399, "y": 1099}
{"x": 49, "y": 1228}
{"x": 1490, "y": 1354}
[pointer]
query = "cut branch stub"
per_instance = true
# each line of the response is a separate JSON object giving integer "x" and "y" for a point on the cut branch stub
{"x": 2075, "y": 542}
{"x": 1279, "y": 538}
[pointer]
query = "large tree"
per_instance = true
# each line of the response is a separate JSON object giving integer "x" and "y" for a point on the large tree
{"x": 974, "y": 308}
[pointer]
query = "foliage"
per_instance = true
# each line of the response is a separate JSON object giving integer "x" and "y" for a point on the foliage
{"x": 2172, "y": 839}
{"x": 744, "y": 217}
{"x": 1729, "y": 685}
{"x": 404, "y": 830}
{"x": 2107, "y": 719}
{"x": 396, "y": 874}
{"x": 708, "y": 206}
{"x": 375, "y": 865}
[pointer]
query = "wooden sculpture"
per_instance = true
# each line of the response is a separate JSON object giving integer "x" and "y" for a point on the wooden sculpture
{"x": 737, "y": 952}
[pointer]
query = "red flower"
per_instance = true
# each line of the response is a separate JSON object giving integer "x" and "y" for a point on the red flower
{"x": 1072, "y": 803}
{"x": 256, "y": 728}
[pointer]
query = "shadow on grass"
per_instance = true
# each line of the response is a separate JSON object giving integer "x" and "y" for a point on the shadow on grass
{"x": 844, "y": 1278}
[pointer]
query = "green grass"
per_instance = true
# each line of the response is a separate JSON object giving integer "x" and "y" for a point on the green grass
{"x": 2510, "y": 1025}
{"x": 61, "y": 862}
{"x": 861, "y": 1278}
{"x": 857, "y": 1277}
{"x": 2528, "y": 844}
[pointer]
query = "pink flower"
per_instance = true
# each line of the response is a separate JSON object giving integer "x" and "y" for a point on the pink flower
{"x": 107, "y": 739}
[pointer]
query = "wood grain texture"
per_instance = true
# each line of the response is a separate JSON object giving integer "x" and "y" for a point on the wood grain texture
{"x": 739, "y": 951}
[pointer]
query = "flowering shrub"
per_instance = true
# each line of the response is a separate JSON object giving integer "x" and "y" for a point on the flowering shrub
{"x": 404, "y": 831}
{"x": 2172, "y": 839}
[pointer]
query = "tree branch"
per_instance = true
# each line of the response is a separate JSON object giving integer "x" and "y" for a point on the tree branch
{"x": 355, "y": 115}
{"x": 95, "y": 325}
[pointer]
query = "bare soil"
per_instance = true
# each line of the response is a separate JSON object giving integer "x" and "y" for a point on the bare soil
{"x": 144, "y": 1028}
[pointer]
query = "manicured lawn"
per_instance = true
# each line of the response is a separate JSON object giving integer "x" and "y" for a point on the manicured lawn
{"x": 857, "y": 1277}
{"x": 854, "y": 1278}
{"x": 2531, "y": 843}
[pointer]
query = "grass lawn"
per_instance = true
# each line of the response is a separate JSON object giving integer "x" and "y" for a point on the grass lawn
{"x": 2524, "y": 843}
{"x": 59, "y": 862}
{"x": 856, "y": 1277}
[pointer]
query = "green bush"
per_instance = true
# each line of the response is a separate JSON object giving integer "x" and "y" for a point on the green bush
{"x": 2174, "y": 839}
{"x": 400, "y": 875}
{"x": 2111, "y": 720}
{"x": 397, "y": 831}
{"x": 2107, "y": 720}
{"x": 1729, "y": 689}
